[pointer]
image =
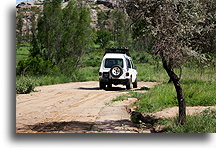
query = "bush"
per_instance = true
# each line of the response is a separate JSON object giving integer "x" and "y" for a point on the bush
{"x": 35, "y": 66}
{"x": 103, "y": 38}
{"x": 24, "y": 85}
{"x": 92, "y": 61}
{"x": 141, "y": 57}
{"x": 202, "y": 123}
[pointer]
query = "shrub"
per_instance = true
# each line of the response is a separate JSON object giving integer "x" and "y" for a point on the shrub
{"x": 103, "y": 38}
{"x": 202, "y": 123}
{"x": 35, "y": 66}
{"x": 24, "y": 85}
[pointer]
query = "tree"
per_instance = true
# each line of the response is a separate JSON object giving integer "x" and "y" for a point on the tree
{"x": 103, "y": 38}
{"x": 103, "y": 22}
{"x": 64, "y": 34}
{"x": 49, "y": 30}
{"x": 173, "y": 24}
{"x": 19, "y": 27}
{"x": 77, "y": 32}
{"x": 120, "y": 27}
{"x": 35, "y": 49}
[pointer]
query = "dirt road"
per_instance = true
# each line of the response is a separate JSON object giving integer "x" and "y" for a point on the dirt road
{"x": 79, "y": 107}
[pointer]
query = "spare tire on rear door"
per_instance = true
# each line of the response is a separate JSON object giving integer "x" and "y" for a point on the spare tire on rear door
{"x": 116, "y": 71}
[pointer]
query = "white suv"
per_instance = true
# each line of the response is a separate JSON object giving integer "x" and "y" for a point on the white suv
{"x": 117, "y": 68}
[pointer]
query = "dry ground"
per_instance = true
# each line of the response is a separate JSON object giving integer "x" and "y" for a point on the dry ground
{"x": 81, "y": 107}
{"x": 77, "y": 107}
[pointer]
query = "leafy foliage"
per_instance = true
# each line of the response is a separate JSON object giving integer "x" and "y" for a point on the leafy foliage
{"x": 103, "y": 38}
{"x": 35, "y": 66}
{"x": 65, "y": 34}
{"x": 181, "y": 29}
{"x": 174, "y": 25}
{"x": 59, "y": 39}
{"x": 120, "y": 29}
{"x": 24, "y": 85}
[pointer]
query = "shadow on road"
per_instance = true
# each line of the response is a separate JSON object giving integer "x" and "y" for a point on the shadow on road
{"x": 115, "y": 88}
{"x": 107, "y": 89}
{"x": 89, "y": 88}
{"x": 78, "y": 127}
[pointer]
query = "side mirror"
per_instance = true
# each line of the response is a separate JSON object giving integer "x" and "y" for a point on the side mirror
{"x": 134, "y": 67}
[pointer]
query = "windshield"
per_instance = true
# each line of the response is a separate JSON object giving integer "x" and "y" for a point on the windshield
{"x": 111, "y": 62}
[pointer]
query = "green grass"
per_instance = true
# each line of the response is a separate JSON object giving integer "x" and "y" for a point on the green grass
{"x": 121, "y": 98}
{"x": 22, "y": 53}
{"x": 158, "y": 98}
{"x": 57, "y": 79}
{"x": 148, "y": 72}
{"x": 199, "y": 90}
{"x": 163, "y": 96}
{"x": 201, "y": 123}
{"x": 84, "y": 74}
{"x": 200, "y": 93}
{"x": 153, "y": 73}
{"x": 89, "y": 73}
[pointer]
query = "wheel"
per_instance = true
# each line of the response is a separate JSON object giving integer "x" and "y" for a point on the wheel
{"x": 116, "y": 71}
{"x": 102, "y": 85}
{"x": 129, "y": 84}
{"x": 109, "y": 85}
{"x": 135, "y": 84}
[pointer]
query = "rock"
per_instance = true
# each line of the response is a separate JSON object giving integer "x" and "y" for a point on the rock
{"x": 159, "y": 129}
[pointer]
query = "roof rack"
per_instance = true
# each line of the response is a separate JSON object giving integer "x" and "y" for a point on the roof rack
{"x": 118, "y": 50}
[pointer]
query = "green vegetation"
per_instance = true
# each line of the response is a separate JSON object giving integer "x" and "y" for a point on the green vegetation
{"x": 199, "y": 90}
{"x": 59, "y": 45}
{"x": 177, "y": 36}
{"x": 22, "y": 54}
{"x": 202, "y": 123}
{"x": 163, "y": 96}
{"x": 24, "y": 85}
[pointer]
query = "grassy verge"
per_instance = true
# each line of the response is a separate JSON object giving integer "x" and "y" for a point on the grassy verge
{"x": 23, "y": 83}
{"x": 202, "y": 123}
{"x": 199, "y": 88}
{"x": 163, "y": 96}
{"x": 150, "y": 73}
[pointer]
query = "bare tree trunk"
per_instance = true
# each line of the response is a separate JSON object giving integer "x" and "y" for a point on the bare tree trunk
{"x": 181, "y": 102}
{"x": 180, "y": 95}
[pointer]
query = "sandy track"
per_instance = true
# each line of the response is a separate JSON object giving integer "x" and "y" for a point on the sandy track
{"x": 74, "y": 107}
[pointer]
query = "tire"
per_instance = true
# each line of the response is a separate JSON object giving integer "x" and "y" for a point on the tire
{"x": 116, "y": 71}
{"x": 135, "y": 84}
{"x": 129, "y": 84}
{"x": 109, "y": 85}
{"x": 102, "y": 85}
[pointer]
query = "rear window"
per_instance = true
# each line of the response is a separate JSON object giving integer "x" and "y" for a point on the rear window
{"x": 128, "y": 64}
{"x": 111, "y": 62}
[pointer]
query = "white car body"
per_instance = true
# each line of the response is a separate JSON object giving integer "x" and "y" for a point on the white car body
{"x": 128, "y": 70}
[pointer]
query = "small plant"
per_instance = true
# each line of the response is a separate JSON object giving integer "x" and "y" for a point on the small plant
{"x": 144, "y": 88}
{"x": 24, "y": 85}
{"x": 121, "y": 98}
{"x": 201, "y": 123}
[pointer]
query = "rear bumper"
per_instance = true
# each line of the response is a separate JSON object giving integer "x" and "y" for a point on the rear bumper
{"x": 113, "y": 81}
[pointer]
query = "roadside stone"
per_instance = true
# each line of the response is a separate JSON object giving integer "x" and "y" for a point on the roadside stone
{"x": 158, "y": 129}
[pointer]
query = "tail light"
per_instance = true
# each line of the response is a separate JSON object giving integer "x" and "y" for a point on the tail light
{"x": 127, "y": 73}
{"x": 100, "y": 73}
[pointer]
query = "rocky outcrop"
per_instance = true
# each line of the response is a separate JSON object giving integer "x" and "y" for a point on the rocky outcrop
{"x": 94, "y": 5}
{"x": 106, "y": 3}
